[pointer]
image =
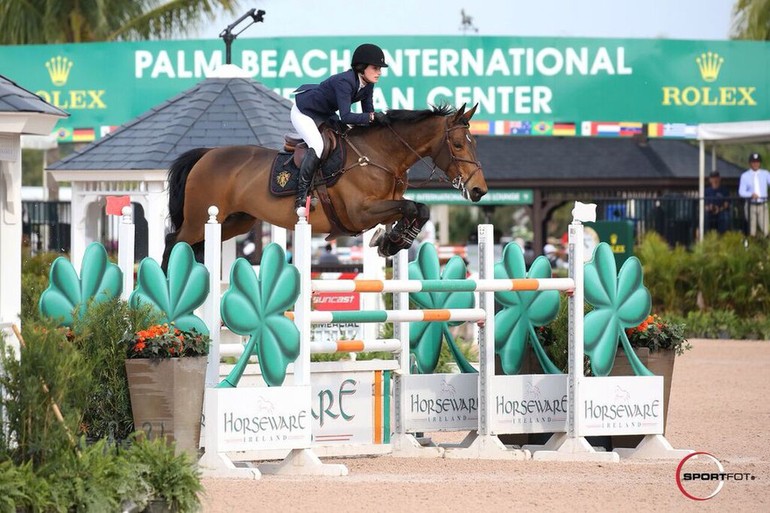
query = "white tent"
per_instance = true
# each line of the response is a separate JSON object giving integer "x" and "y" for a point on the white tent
{"x": 737, "y": 132}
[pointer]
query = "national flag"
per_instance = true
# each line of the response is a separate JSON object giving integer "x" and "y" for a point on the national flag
{"x": 480, "y": 127}
{"x": 106, "y": 130}
{"x": 64, "y": 135}
{"x": 564, "y": 129}
{"x": 83, "y": 135}
{"x": 654, "y": 129}
{"x": 115, "y": 204}
{"x": 606, "y": 129}
{"x": 586, "y": 128}
{"x": 502, "y": 128}
{"x": 521, "y": 128}
{"x": 679, "y": 130}
{"x": 542, "y": 128}
{"x": 630, "y": 128}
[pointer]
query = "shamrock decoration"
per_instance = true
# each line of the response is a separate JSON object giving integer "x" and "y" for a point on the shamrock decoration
{"x": 255, "y": 307}
{"x": 101, "y": 281}
{"x": 618, "y": 304}
{"x": 522, "y": 311}
{"x": 425, "y": 337}
{"x": 185, "y": 289}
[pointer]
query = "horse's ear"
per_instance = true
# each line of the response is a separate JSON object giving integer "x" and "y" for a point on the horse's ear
{"x": 468, "y": 115}
{"x": 458, "y": 114}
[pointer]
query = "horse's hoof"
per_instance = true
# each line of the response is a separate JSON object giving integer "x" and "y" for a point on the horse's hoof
{"x": 377, "y": 237}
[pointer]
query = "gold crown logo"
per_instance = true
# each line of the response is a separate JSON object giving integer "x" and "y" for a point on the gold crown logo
{"x": 59, "y": 69}
{"x": 709, "y": 64}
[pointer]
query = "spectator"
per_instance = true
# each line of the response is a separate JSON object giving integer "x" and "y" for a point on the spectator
{"x": 753, "y": 187}
{"x": 328, "y": 257}
{"x": 555, "y": 256}
{"x": 717, "y": 205}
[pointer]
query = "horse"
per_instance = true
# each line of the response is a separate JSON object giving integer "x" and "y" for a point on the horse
{"x": 369, "y": 189}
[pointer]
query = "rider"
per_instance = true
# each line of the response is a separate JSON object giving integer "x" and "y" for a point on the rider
{"x": 318, "y": 103}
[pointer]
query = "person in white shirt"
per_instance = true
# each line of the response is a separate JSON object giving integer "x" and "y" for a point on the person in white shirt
{"x": 753, "y": 186}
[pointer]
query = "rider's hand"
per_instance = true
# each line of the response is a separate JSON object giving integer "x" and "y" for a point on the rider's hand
{"x": 381, "y": 118}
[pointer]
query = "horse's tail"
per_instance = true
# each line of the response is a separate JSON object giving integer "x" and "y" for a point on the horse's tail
{"x": 177, "y": 178}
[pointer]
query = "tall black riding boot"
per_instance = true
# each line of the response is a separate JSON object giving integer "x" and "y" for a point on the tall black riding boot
{"x": 308, "y": 168}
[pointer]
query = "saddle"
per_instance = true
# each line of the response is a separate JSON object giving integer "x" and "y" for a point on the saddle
{"x": 285, "y": 168}
{"x": 293, "y": 143}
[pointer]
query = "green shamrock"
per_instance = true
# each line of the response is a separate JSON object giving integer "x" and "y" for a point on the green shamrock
{"x": 620, "y": 301}
{"x": 522, "y": 311}
{"x": 100, "y": 281}
{"x": 425, "y": 337}
{"x": 255, "y": 307}
{"x": 185, "y": 289}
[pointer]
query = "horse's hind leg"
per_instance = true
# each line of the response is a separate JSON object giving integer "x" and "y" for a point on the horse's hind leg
{"x": 170, "y": 241}
{"x": 405, "y": 231}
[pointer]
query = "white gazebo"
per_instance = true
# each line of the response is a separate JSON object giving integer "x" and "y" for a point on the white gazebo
{"x": 21, "y": 113}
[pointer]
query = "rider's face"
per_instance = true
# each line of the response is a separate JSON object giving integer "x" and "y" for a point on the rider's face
{"x": 372, "y": 73}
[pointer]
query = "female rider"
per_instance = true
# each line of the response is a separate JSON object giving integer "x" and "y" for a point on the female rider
{"x": 319, "y": 103}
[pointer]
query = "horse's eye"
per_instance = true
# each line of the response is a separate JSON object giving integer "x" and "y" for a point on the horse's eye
{"x": 458, "y": 146}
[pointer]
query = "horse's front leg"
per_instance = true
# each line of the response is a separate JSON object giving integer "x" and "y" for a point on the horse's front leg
{"x": 413, "y": 218}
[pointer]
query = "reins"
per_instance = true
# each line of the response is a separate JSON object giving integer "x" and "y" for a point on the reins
{"x": 457, "y": 182}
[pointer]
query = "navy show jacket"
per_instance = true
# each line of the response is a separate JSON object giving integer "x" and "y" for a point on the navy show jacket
{"x": 336, "y": 93}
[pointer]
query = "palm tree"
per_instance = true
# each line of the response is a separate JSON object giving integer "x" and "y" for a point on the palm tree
{"x": 751, "y": 20}
{"x": 80, "y": 21}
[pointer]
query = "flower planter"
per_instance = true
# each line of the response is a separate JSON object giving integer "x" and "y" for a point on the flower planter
{"x": 167, "y": 398}
{"x": 660, "y": 363}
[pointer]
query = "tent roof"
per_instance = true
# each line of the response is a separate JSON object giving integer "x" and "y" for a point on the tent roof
{"x": 742, "y": 131}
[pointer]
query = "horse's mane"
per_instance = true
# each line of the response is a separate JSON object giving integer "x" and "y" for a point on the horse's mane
{"x": 411, "y": 116}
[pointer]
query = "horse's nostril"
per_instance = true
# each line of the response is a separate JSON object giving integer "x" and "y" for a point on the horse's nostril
{"x": 478, "y": 192}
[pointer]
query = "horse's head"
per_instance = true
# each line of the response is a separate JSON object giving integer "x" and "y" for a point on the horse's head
{"x": 458, "y": 158}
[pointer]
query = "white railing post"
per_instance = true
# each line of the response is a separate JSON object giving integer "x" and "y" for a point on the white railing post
{"x": 126, "y": 248}
{"x": 212, "y": 257}
{"x": 302, "y": 261}
{"x": 486, "y": 338}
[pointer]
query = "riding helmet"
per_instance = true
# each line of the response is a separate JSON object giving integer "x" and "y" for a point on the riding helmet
{"x": 369, "y": 54}
{"x": 755, "y": 157}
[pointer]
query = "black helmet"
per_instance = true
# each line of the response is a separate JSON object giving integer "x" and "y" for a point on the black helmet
{"x": 755, "y": 157}
{"x": 369, "y": 54}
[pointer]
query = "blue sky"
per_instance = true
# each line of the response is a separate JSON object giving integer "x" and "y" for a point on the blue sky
{"x": 668, "y": 19}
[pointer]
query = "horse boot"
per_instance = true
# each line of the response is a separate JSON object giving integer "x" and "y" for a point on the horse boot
{"x": 310, "y": 163}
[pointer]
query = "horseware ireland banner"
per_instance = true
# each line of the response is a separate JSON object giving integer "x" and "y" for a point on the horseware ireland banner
{"x": 524, "y": 86}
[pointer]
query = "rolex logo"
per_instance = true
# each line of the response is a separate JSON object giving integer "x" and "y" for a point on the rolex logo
{"x": 709, "y": 64}
{"x": 59, "y": 69}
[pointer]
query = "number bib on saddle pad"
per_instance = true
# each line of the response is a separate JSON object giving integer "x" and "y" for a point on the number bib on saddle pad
{"x": 284, "y": 171}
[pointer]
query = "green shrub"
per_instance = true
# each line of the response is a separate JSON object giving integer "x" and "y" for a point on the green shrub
{"x": 173, "y": 478}
{"x": 34, "y": 280}
{"x": 96, "y": 477}
{"x": 668, "y": 274}
{"x": 50, "y": 371}
{"x": 97, "y": 335}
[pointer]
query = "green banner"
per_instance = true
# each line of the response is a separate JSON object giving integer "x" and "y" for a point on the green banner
{"x": 526, "y": 86}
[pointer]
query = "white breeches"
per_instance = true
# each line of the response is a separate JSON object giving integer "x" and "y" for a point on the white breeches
{"x": 305, "y": 127}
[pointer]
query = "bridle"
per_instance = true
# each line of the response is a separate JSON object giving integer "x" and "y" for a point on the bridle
{"x": 457, "y": 182}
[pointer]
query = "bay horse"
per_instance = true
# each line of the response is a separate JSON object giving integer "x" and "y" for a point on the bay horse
{"x": 368, "y": 192}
